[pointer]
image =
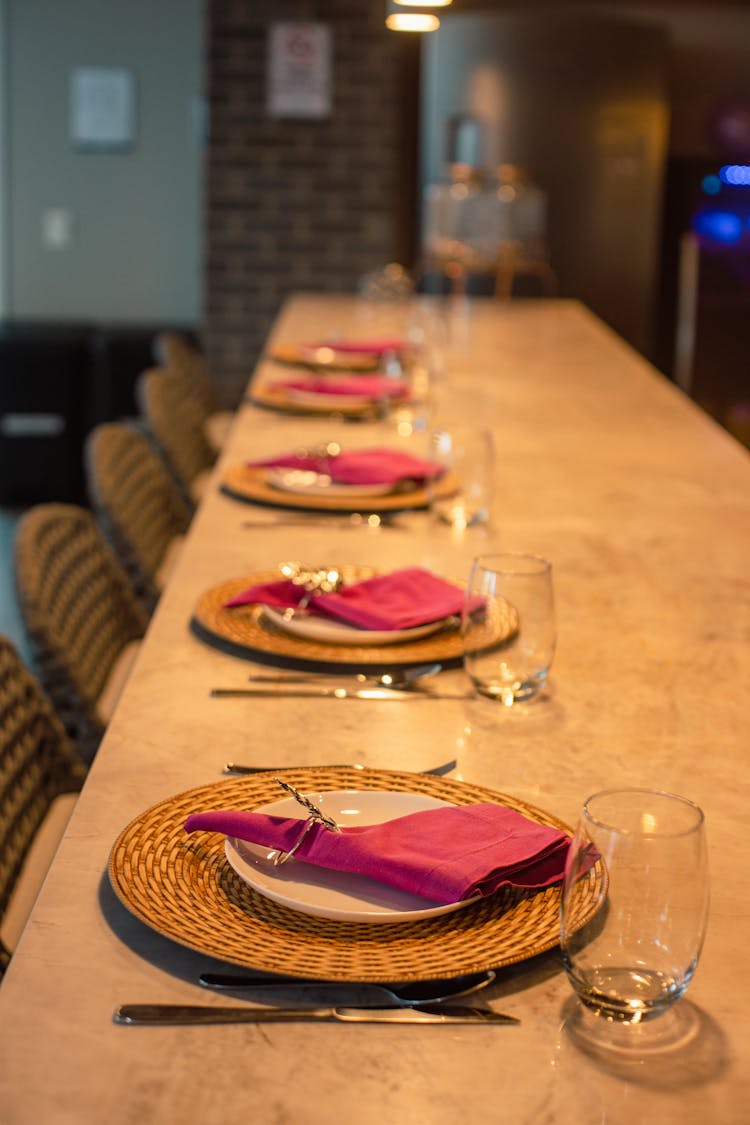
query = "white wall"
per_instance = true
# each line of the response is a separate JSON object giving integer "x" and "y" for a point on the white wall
{"x": 135, "y": 244}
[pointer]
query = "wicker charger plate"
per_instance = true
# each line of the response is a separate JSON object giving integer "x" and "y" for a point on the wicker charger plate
{"x": 244, "y": 631}
{"x": 246, "y": 483}
{"x": 184, "y": 888}
{"x": 275, "y": 397}
{"x": 295, "y": 355}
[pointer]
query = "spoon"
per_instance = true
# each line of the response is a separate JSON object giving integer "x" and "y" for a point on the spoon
{"x": 400, "y": 680}
{"x": 409, "y": 995}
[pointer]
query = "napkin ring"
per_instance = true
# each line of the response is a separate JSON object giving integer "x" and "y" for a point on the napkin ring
{"x": 313, "y": 580}
{"x": 317, "y": 816}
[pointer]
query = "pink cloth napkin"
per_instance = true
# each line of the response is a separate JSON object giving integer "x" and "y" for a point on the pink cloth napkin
{"x": 362, "y": 347}
{"x": 361, "y": 386}
{"x": 402, "y": 599}
{"x": 445, "y": 855}
{"x": 360, "y": 466}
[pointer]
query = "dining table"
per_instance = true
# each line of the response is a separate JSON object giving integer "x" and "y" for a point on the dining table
{"x": 642, "y": 504}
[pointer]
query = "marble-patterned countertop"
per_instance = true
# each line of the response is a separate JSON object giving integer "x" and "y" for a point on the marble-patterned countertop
{"x": 643, "y": 505}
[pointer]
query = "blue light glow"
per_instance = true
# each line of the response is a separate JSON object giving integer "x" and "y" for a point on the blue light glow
{"x": 718, "y": 225}
{"x": 738, "y": 175}
{"x": 711, "y": 185}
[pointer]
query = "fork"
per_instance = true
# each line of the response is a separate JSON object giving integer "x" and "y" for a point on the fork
{"x": 237, "y": 768}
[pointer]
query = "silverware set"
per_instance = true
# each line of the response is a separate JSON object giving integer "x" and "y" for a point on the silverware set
{"x": 373, "y": 520}
{"x": 420, "y": 1002}
{"x": 171, "y": 1014}
{"x": 400, "y": 686}
{"x": 387, "y": 694}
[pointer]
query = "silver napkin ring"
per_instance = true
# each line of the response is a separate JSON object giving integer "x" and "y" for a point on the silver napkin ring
{"x": 317, "y": 816}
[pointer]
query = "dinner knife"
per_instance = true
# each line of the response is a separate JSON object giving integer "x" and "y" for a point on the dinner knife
{"x": 172, "y": 1014}
{"x": 391, "y": 694}
{"x": 376, "y": 520}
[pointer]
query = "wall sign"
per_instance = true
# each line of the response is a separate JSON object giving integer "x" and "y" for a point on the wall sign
{"x": 298, "y": 77}
{"x": 102, "y": 109}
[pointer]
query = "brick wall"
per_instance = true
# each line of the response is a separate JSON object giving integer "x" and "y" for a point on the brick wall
{"x": 300, "y": 204}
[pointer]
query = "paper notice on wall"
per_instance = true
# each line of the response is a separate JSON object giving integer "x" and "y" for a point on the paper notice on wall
{"x": 299, "y": 70}
{"x": 102, "y": 108}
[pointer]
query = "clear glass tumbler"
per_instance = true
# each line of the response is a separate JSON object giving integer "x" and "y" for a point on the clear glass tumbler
{"x": 509, "y": 641}
{"x": 637, "y": 954}
{"x": 468, "y": 453}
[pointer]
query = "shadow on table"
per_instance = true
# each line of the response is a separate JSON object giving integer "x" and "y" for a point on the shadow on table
{"x": 680, "y": 1049}
{"x": 161, "y": 952}
{"x": 187, "y": 964}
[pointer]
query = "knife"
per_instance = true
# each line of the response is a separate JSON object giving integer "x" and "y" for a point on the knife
{"x": 392, "y": 694}
{"x": 363, "y": 520}
{"x": 171, "y": 1014}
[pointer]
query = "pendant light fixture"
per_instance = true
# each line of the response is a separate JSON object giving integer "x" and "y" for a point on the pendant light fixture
{"x": 413, "y": 15}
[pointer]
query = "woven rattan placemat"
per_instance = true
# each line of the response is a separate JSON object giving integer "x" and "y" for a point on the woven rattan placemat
{"x": 275, "y": 397}
{"x": 247, "y": 483}
{"x": 244, "y": 631}
{"x": 296, "y": 355}
{"x": 183, "y": 887}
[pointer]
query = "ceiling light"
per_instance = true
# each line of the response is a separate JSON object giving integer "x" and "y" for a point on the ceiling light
{"x": 399, "y": 17}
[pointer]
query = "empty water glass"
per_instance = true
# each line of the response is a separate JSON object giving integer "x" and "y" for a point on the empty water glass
{"x": 467, "y": 454}
{"x": 640, "y": 855}
{"x": 509, "y": 626}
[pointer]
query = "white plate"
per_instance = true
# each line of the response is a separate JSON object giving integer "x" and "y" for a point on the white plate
{"x": 325, "y": 629}
{"x": 310, "y": 483}
{"x": 338, "y": 895}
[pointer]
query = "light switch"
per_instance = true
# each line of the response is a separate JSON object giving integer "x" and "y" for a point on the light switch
{"x": 57, "y": 228}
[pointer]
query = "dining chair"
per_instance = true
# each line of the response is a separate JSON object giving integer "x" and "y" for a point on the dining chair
{"x": 40, "y": 776}
{"x": 83, "y": 620}
{"x": 174, "y": 351}
{"x": 176, "y": 425}
{"x": 137, "y": 504}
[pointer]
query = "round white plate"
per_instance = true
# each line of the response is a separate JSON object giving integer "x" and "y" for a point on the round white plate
{"x": 310, "y": 483}
{"x": 337, "y": 895}
{"x": 332, "y": 632}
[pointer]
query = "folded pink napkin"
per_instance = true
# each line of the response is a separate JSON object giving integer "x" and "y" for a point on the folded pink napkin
{"x": 402, "y": 599}
{"x": 362, "y": 347}
{"x": 361, "y": 386}
{"x": 360, "y": 466}
{"x": 445, "y": 854}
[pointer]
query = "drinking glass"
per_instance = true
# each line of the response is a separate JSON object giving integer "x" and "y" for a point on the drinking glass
{"x": 467, "y": 452}
{"x": 509, "y": 641}
{"x": 427, "y": 338}
{"x": 637, "y": 954}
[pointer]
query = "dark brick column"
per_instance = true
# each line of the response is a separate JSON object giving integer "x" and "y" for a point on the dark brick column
{"x": 294, "y": 204}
